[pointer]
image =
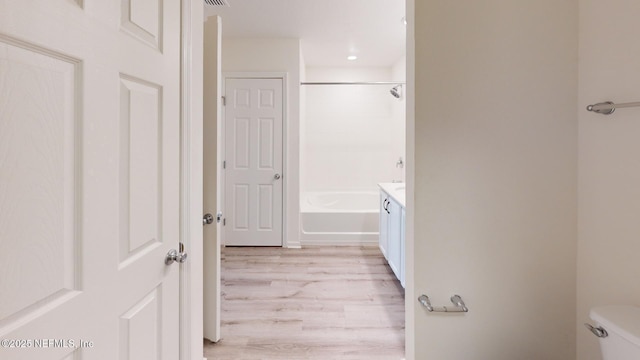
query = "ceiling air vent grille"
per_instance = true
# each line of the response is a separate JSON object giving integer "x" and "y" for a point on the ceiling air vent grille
{"x": 216, "y": 2}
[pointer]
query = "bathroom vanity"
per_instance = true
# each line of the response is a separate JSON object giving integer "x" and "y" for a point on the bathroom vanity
{"x": 392, "y": 226}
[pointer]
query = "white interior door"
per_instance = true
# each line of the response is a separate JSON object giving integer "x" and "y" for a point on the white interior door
{"x": 253, "y": 155}
{"x": 89, "y": 178}
{"x": 212, "y": 157}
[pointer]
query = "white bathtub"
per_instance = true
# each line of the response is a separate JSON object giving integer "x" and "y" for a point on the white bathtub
{"x": 339, "y": 218}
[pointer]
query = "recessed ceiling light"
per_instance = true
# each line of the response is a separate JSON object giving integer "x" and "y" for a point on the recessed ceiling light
{"x": 352, "y": 57}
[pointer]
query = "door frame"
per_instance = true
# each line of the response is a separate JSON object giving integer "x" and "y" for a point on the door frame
{"x": 410, "y": 303}
{"x": 191, "y": 173}
{"x": 191, "y": 275}
{"x": 285, "y": 141}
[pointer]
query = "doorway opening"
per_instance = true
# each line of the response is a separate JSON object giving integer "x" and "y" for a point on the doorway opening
{"x": 351, "y": 148}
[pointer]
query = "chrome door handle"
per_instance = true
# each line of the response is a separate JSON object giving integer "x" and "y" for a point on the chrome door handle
{"x": 277, "y": 176}
{"x": 174, "y": 256}
{"x": 207, "y": 219}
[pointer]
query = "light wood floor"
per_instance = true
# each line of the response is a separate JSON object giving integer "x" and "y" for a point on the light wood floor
{"x": 329, "y": 303}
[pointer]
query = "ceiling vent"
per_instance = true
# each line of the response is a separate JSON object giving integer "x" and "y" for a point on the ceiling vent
{"x": 216, "y": 2}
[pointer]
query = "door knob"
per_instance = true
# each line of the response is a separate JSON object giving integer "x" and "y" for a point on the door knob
{"x": 175, "y": 256}
{"x": 207, "y": 219}
{"x": 277, "y": 176}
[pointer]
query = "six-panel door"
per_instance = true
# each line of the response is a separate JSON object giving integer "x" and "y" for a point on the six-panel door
{"x": 253, "y": 156}
{"x": 89, "y": 179}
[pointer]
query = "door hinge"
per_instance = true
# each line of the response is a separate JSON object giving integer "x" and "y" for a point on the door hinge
{"x": 224, "y": 100}
{"x": 224, "y": 164}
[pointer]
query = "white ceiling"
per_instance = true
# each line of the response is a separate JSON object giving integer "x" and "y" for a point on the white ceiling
{"x": 329, "y": 30}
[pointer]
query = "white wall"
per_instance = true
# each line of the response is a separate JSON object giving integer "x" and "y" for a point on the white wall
{"x": 399, "y": 111}
{"x": 303, "y": 119}
{"x": 495, "y": 178}
{"x": 276, "y": 55}
{"x": 352, "y": 140}
{"x": 609, "y": 175}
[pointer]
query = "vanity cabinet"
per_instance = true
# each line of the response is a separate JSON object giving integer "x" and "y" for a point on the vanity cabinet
{"x": 391, "y": 239}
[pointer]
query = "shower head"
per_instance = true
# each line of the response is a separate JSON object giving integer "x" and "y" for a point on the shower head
{"x": 396, "y": 91}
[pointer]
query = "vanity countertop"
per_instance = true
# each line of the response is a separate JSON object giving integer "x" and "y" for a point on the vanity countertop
{"x": 396, "y": 190}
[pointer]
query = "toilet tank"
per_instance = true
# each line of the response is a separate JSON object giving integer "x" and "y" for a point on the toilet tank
{"x": 622, "y": 324}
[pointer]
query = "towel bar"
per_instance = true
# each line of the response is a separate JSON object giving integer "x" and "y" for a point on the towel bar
{"x": 459, "y": 305}
{"x": 608, "y": 107}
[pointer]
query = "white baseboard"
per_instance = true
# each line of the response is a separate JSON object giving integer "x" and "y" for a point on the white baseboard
{"x": 292, "y": 244}
{"x": 339, "y": 242}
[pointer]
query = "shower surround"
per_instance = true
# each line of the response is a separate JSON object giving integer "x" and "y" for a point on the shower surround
{"x": 352, "y": 137}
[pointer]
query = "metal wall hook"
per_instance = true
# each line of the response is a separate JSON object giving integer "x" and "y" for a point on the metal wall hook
{"x": 456, "y": 300}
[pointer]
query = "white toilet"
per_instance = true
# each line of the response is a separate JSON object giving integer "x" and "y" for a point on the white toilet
{"x": 618, "y": 328}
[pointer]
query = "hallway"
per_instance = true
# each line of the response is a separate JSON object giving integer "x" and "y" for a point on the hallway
{"x": 334, "y": 303}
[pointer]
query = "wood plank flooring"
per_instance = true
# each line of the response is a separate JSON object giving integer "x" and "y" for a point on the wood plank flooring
{"x": 329, "y": 303}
